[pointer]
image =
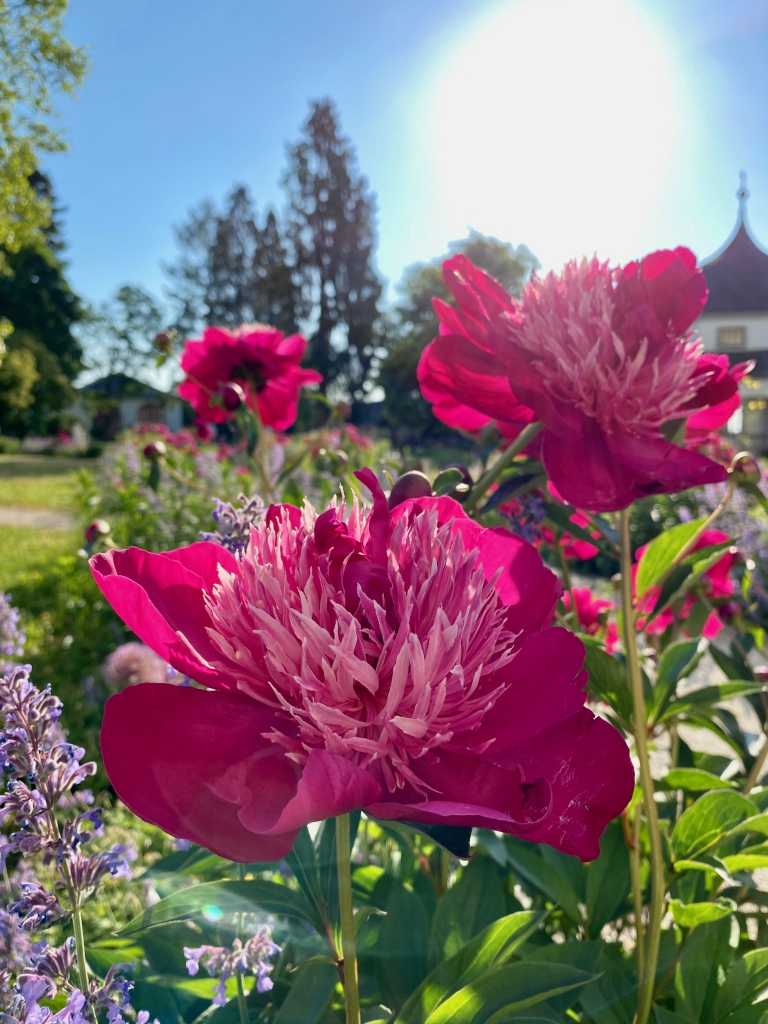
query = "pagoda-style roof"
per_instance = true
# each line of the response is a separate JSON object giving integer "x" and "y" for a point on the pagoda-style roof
{"x": 737, "y": 274}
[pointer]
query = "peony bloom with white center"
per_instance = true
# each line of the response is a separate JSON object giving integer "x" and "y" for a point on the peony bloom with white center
{"x": 401, "y": 662}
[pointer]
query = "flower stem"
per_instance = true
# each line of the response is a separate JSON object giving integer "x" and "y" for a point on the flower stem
{"x": 525, "y": 436}
{"x": 241, "y": 1003}
{"x": 77, "y": 929}
{"x": 637, "y": 890}
{"x": 348, "y": 952}
{"x": 653, "y": 932}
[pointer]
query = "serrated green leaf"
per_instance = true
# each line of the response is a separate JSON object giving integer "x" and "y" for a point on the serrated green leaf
{"x": 661, "y": 553}
{"x": 689, "y": 915}
{"x": 506, "y": 990}
{"x": 707, "y": 821}
{"x": 212, "y": 899}
{"x": 494, "y": 946}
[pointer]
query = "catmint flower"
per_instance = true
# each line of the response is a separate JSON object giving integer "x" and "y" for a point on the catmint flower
{"x": 252, "y": 955}
{"x": 36, "y": 907}
{"x": 12, "y": 639}
{"x": 235, "y": 524}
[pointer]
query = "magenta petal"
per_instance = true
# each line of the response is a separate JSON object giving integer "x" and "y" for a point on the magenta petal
{"x": 168, "y": 751}
{"x": 546, "y": 686}
{"x": 329, "y": 785}
{"x": 585, "y": 473}
{"x": 587, "y": 763}
{"x": 161, "y": 598}
{"x": 528, "y": 589}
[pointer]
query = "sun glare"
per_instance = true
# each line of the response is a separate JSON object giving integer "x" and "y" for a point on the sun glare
{"x": 553, "y": 125}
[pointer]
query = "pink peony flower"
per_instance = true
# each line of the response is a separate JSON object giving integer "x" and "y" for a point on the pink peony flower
{"x": 603, "y": 357}
{"x": 716, "y": 582}
{"x": 464, "y": 371}
{"x": 257, "y": 358}
{"x": 591, "y": 613}
{"x": 400, "y": 662}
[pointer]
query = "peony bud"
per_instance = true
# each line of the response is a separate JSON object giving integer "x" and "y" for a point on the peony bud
{"x": 165, "y": 340}
{"x": 490, "y": 436}
{"x": 98, "y": 528}
{"x": 232, "y": 396}
{"x": 745, "y": 469}
{"x": 410, "y": 485}
{"x": 155, "y": 451}
{"x": 466, "y": 477}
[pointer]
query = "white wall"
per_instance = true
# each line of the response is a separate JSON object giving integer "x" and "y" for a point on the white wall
{"x": 755, "y": 324}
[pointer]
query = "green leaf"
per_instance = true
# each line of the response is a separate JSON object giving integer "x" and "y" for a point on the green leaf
{"x": 400, "y": 954}
{"x": 494, "y": 946}
{"x": 506, "y": 990}
{"x": 708, "y": 695}
{"x": 608, "y": 680}
{"x": 689, "y": 915}
{"x": 608, "y": 879}
{"x": 676, "y": 661}
{"x": 312, "y": 987}
{"x": 705, "y": 954}
{"x": 707, "y": 821}
{"x": 470, "y": 905}
{"x": 302, "y": 860}
{"x": 661, "y": 553}
{"x": 212, "y": 899}
{"x": 528, "y": 862}
{"x": 446, "y": 481}
{"x": 747, "y": 860}
{"x": 695, "y": 780}
{"x": 744, "y": 982}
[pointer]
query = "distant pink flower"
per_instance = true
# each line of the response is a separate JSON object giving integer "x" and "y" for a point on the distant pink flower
{"x": 464, "y": 371}
{"x": 591, "y": 613}
{"x": 257, "y": 358}
{"x": 400, "y": 662}
{"x": 573, "y": 547}
{"x": 716, "y": 583}
{"x": 133, "y": 663}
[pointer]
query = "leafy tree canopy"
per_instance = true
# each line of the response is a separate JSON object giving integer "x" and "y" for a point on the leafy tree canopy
{"x": 36, "y": 62}
{"x": 414, "y": 324}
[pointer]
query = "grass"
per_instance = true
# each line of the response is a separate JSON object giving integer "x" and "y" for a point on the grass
{"x": 26, "y": 549}
{"x": 38, "y": 481}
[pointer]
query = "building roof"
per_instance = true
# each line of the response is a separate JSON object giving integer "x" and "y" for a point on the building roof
{"x": 120, "y": 385}
{"x": 737, "y": 274}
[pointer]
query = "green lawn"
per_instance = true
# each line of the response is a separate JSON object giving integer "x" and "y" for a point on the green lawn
{"x": 25, "y": 549}
{"x": 38, "y": 481}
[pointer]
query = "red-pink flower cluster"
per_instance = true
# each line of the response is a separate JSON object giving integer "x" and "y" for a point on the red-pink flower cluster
{"x": 256, "y": 358}
{"x": 592, "y": 615}
{"x": 602, "y": 357}
{"x": 716, "y": 583}
{"x": 400, "y": 661}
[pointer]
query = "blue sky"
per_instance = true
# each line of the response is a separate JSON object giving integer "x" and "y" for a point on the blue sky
{"x": 574, "y": 126}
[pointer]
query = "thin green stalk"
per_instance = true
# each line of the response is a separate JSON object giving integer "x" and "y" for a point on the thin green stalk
{"x": 637, "y": 890}
{"x": 525, "y": 437}
{"x": 77, "y": 929}
{"x": 348, "y": 951}
{"x": 241, "y": 1003}
{"x": 445, "y": 869}
{"x": 653, "y": 933}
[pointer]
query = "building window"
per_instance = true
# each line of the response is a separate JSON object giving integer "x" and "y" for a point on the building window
{"x": 151, "y": 412}
{"x": 731, "y": 337}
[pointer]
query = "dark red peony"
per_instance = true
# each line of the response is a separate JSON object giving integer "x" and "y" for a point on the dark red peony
{"x": 401, "y": 662}
{"x": 256, "y": 358}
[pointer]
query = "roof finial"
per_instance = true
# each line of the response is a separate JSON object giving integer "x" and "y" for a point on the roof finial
{"x": 743, "y": 194}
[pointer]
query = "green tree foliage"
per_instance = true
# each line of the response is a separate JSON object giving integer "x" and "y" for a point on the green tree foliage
{"x": 414, "y": 324}
{"x": 44, "y": 354}
{"x": 36, "y": 62}
{"x": 232, "y": 269}
{"x": 331, "y": 225}
{"x": 121, "y": 332}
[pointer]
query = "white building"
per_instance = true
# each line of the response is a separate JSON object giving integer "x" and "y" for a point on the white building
{"x": 118, "y": 402}
{"x": 735, "y": 318}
